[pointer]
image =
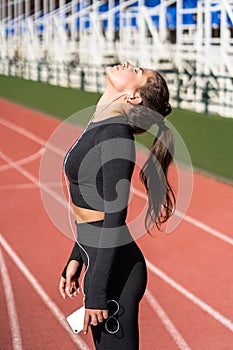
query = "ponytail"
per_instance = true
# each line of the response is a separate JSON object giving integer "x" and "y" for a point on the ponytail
{"x": 154, "y": 176}
{"x": 154, "y": 173}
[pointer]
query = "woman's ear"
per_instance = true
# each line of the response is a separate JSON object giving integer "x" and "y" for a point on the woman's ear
{"x": 134, "y": 99}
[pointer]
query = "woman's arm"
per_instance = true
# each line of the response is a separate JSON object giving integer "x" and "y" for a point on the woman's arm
{"x": 75, "y": 255}
{"x": 117, "y": 152}
{"x": 69, "y": 284}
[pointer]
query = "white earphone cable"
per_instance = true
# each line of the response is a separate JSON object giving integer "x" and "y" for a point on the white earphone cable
{"x": 69, "y": 196}
{"x": 87, "y": 267}
{"x": 74, "y": 234}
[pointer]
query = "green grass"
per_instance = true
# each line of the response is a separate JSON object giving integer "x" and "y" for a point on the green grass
{"x": 57, "y": 101}
{"x": 208, "y": 138}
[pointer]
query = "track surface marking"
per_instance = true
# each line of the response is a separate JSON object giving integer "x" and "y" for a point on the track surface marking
{"x": 197, "y": 257}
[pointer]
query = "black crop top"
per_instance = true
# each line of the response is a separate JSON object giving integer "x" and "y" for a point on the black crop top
{"x": 100, "y": 158}
{"x": 99, "y": 167}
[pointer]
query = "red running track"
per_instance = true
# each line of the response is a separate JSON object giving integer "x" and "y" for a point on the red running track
{"x": 189, "y": 300}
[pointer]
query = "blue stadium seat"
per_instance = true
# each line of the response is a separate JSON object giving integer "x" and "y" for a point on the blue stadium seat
{"x": 151, "y": 3}
{"x": 155, "y": 20}
{"x": 85, "y": 17}
{"x": 10, "y": 31}
{"x": 132, "y": 9}
{"x": 215, "y": 19}
{"x": 117, "y": 20}
{"x": 229, "y": 21}
{"x": 101, "y": 9}
{"x": 189, "y": 18}
{"x": 187, "y": 4}
{"x": 171, "y": 17}
{"x": 104, "y": 8}
{"x": 134, "y": 17}
{"x": 40, "y": 27}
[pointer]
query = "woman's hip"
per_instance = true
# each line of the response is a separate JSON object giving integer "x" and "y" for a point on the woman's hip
{"x": 129, "y": 275}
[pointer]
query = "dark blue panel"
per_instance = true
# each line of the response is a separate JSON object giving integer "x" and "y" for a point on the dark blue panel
{"x": 103, "y": 7}
{"x": 229, "y": 22}
{"x": 189, "y": 18}
{"x": 117, "y": 19}
{"x": 216, "y": 18}
{"x": 171, "y": 17}
{"x": 134, "y": 19}
{"x": 155, "y": 20}
{"x": 152, "y": 3}
{"x": 187, "y": 4}
{"x": 40, "y": 28}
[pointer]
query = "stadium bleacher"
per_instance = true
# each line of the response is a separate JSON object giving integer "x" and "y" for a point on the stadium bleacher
{"x": 99, "y": 32}
{"x": 132, "y": 11}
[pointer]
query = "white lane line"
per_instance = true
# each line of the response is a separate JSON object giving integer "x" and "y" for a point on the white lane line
{"x": 191, "y": 297}
{"x": 176, "y": 336}
{"x": 154, "y": 269}
{"x": 170, "y": 327}
{"x": 12, "y": 313}
{"x": 32, "y": 178}
{"x": 25, "y": 160}
{"x": 193, "y": 221}
{"x": 31, "y": 136}
{"x": 185, "y": 217}
{"x": 44, "y": 296}
{"x": 206, "y": 228}
{"x": 178, "y": 339}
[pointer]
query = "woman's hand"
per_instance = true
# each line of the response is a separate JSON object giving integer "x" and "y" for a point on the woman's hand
{"x": 69, "y": 286}
{"x": 94, "y": 317}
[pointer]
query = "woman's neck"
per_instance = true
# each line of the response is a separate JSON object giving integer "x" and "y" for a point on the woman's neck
{"x": 109, "y": 105}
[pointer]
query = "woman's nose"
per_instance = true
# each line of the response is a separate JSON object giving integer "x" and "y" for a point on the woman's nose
{"x": 127, "y": 65}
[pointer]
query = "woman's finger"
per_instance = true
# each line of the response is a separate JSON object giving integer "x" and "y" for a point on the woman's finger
{"x": 75, "y": 287}
{"x": 69, "y": 287}
{"x": 62, "y": 285}
{"x": 100, "y": 316}
{"x": 86, "y": 322}
{"x": 105, "y": 314}
{"x": 94, "y": 319}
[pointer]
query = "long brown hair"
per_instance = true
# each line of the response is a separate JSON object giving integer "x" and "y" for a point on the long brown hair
{"x": 154, "y": 173}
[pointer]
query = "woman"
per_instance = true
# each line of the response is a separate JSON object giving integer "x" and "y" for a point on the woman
{"x": 99, "y": 167}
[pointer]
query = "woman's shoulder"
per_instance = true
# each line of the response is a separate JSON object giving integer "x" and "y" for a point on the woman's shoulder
{"x": 113, "y": 127}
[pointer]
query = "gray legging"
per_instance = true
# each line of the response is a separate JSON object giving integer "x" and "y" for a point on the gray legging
{"x": 126, "y": 286}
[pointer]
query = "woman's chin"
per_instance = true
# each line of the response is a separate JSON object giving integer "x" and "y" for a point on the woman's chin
{"x": 108, "y": 69}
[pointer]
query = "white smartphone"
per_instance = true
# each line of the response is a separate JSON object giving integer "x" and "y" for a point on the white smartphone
{"x": 76, "y": 320}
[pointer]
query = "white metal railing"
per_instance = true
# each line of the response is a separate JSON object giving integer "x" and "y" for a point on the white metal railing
{"x": 87, "y": 34}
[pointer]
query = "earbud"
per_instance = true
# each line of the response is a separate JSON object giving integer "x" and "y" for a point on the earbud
{"x": 128, "y": 94}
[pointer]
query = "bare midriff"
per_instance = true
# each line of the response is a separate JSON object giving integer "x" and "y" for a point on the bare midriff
{"x": 87, "y": 215}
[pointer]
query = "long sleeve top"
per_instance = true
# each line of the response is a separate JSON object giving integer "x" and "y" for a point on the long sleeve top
{"x": 99, "y": 167}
